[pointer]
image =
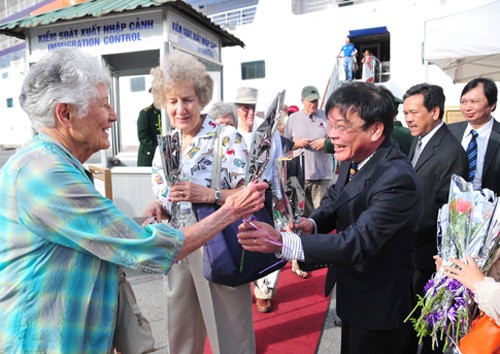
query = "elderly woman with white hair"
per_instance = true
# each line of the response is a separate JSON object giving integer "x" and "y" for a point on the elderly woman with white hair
{"x": 224, "y": 113}
{"x": 62, "y": 243}
{"x": 195, "y": 306}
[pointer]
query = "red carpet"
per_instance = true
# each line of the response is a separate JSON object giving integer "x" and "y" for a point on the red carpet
{"x": 294, "y": 326}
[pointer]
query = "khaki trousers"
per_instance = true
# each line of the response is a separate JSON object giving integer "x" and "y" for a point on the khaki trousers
{"x": 196, "y": 307}
{"x": 314, "y": 191}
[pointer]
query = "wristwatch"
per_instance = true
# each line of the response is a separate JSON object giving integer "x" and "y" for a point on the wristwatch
{"x": 217, "y": 197}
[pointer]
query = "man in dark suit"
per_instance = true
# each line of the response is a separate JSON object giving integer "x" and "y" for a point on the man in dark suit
{"x": 435, "y": 155}
{"x": 477, "y": 102}
{"x": 375, "y": 213}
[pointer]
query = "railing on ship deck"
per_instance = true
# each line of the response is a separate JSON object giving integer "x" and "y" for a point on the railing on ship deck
{"x": 234, "y": 18}
{"x": 245, "y": 15}
{"x": 13, "y": 8}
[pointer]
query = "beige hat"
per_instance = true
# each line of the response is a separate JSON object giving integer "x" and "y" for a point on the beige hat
{"x": 246, "y": 95}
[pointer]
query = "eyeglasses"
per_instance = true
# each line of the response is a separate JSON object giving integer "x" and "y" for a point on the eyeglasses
{"x": 247, "y": 107}
{"x": 344, "y": 129}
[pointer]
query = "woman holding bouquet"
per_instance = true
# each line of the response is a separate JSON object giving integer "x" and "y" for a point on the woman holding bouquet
{"x": 196, "y": 307}
{"x": 62, "y": 242}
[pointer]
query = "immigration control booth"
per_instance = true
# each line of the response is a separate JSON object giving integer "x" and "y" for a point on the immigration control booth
{"x": 131, "y": 36}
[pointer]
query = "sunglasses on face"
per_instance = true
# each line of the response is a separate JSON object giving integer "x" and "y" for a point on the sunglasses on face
{"x": 247, "y": 107}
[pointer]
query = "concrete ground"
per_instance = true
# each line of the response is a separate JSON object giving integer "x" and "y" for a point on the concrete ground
{"x": 148, "y": 289}
{"x": 149, "y": 292}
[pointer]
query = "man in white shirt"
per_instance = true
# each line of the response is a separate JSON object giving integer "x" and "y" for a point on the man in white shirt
{"x": 477, "y": 102}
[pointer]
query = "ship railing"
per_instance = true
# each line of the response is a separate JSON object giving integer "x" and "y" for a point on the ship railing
{"x": 16, "y": 6}
{"x": 234, "y": 18}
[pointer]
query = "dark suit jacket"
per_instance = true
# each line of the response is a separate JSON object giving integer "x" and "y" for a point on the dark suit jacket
{"x": 371, "y": 255}
{"x": 442, "y": 157}
{"x": 491, "y": 169}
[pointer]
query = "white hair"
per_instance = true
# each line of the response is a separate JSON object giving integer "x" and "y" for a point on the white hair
{"x": 65, "y": 75}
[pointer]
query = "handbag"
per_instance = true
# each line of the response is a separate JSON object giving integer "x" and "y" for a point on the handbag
{"x": 483, "y": 337}
{"x": 222, "y": 254}
{"x": 133, "y": 334}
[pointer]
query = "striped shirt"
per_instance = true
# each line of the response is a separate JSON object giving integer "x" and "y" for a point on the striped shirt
{"x": 60, "y": 248}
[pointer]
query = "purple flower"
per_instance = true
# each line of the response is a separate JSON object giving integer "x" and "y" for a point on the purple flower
{"x": 429, "y": 285}
{"x": 454, "y": 285}
{"x": 460, "y": 302}
{"x": 452, "y": 313}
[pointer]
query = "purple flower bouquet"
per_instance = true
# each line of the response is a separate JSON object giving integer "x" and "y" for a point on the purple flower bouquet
{"x": 468, "y": 224}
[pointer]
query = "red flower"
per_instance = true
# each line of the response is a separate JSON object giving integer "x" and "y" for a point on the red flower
{"x": 463, "y": 206}
{"x": 230, "y": 152}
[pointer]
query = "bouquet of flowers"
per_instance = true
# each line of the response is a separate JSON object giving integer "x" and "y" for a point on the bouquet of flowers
{"x": 292, "y": 188}
{"x": 260, "y": 150}
{"x": 170, "y": 152}
{"x": 468, "y": 224}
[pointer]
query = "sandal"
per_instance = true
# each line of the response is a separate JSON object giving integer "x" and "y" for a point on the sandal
{"x": 296, "y": 269}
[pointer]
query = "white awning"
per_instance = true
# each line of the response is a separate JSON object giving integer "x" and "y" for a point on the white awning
{"x": 466, "y": 45}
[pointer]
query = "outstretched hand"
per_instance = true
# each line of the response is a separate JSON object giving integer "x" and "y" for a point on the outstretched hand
{"x": 246, "y": 201}
{"x": 259, "y": 236}
{"x": 187, "y": 191}
{"x": 154, "y": 211}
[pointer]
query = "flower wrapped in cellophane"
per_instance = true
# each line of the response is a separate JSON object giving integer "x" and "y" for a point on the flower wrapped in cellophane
{"x": 170, "y": 152}
{"x": 291, "y": 179}
{"x": 260, "y": 150}
{"x": 468, "y": 224}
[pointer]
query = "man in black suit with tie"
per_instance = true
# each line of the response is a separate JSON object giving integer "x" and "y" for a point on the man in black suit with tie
{"x": 435, "y": 155}
{"x": 375, "y": 214}
{"x": 477, "y": 102}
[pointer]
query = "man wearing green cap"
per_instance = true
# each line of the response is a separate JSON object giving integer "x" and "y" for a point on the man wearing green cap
{"x": 308, "y": 129}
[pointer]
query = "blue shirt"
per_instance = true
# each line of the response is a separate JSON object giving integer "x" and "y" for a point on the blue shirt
{"x": 348, "y": 50}
{"x": 60, "y": 247}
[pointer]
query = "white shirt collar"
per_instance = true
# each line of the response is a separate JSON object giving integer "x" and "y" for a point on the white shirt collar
{"x": 429, "y": 135}
{"x": 485, "y": 129}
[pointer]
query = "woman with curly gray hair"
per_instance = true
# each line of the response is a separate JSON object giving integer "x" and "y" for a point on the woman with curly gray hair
{"x": 62, "y": 242}
{"x": 195, "y": 306}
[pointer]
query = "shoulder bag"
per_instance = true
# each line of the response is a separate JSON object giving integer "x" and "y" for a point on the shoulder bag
{"x": 483, "y": 337}
{"x": 222, "y": 254}
{"x": 133, "y": 333}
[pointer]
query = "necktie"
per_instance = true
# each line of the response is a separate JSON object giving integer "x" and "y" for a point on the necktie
{"x": 472, "y": 154}
{"x": 353, "y": 170}
{"x": 418, "y": 151}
